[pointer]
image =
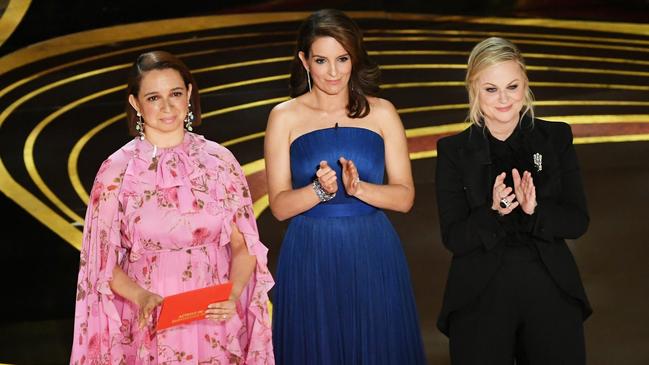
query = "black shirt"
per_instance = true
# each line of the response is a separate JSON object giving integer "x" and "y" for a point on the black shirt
{"x": 506, "y": 155}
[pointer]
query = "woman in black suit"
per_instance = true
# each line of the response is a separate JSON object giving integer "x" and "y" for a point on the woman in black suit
{"x": 509, "y": 193}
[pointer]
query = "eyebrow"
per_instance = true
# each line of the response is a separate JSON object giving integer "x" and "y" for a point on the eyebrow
{"x": 155, "y": 92}
{"x": 342, "y": 55}
{"x": 509, "y": 83}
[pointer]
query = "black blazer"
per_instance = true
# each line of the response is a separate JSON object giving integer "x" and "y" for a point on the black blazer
{"x": 470, "y": 228}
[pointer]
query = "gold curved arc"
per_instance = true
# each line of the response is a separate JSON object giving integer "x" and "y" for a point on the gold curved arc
{"x": 28, "y": 153}
{"x": 612, "y": 139}
{"x": 243, "y": 139}
{"x": 244, "y": 83}
{"x": 122, "y": 33}
{"x": 569, "y": 57}
{"x": 418, "y": 66}
{"x": 61, "y": 44}
{"x": 587, "y": 85}
{"x": 11, "y": 17}
{"x": 457, "y": 66}
{"x": 588, "y": 70}
{"x": 515, "y": 40}
{"x": 253, "y": 104}
{"x": 416, "y": 52}
{"x": 596, "y": 26}
{"x": 600, "y": 118}
{"x": 244, "y": 64}
{"x": 260, "y": 205}
{"x": 43, "y": 213}
{"x": 25, "y": 80}
{"x": 73, "y": 159}
{"x": 403, "y": 85}
{"x": 429, "y": 108}
{"x": 13, "y": 106}
{"x": 590, "y": 103}
{"x": 484, "y": 34}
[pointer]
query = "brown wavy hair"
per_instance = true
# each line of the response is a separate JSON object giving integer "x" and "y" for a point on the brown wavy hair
{"x": 158, "y": 60}
{"x": 364, "y": 79}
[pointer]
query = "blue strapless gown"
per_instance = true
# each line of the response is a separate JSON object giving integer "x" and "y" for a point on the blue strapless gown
{"x": 343, "y": 293}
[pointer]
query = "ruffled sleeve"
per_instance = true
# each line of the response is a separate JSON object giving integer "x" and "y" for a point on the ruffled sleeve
{"x": 254, "y": 298}
{"x": 97, "y": 320}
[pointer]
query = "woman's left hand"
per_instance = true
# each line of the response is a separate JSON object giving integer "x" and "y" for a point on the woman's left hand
{"x": 222, "y": 311}
{"x": 525, "y": 191}
{"x": 351, "y": 178}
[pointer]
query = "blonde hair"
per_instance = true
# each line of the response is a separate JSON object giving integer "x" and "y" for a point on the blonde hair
{"x": 487, "y": 53}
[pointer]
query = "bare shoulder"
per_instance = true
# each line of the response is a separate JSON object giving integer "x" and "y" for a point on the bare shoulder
{"x": 284, "y": 115}
{"x": 381, "y": 106}
{"x": 384, "y": 114}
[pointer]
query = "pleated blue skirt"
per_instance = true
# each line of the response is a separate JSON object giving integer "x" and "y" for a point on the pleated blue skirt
{"x": 343, "y": 294}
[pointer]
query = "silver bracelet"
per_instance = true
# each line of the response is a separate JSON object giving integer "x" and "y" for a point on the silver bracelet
{"x": 321, "y": 193}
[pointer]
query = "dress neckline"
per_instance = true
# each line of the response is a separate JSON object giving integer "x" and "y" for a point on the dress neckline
{"x": 315, "y": 131}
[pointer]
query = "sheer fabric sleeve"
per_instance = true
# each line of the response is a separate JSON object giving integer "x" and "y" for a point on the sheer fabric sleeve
{"x": 97, "y": 319}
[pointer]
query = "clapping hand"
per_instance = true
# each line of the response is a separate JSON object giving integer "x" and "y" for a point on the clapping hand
{"x": 503, "y": 200}
{"x": 525, "y": 191}
{"x": 351, "y": 178}
{"x": 327, "y": 177}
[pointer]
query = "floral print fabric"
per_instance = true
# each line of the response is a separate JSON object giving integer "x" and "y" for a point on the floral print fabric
{"x": 165, "y": 216}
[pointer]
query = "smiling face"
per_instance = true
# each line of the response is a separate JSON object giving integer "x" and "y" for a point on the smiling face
{"x": 163, "y": 101}
{"x": 330, "y": 65}
{"x": 501, "y": 93}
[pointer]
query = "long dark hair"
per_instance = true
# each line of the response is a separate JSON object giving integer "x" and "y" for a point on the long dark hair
{"x": 158, "y": 60}
{"x": 364, "y": 79}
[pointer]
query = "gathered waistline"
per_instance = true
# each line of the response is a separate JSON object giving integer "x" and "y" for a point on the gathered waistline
{"x": 340, "y": 210}
{"x": 170, "y": 250}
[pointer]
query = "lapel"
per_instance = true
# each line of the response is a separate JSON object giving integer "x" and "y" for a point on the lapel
{"x": 477, "y": 169}
{"x": 546, "y": 174}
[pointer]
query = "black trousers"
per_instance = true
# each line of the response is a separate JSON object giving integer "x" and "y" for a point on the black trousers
{"x": 521, "y": 318}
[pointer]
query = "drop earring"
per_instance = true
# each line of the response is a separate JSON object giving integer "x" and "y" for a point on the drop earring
{"x": 189, "y": 118}
{"x": 308, "y": 79}
{"x": 139, "y": 126}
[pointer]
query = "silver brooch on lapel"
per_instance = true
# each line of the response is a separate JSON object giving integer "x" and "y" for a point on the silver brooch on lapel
{"x": 538, "y": 161}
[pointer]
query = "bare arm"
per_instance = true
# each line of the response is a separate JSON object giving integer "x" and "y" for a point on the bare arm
{"x": 241, "y": 268}
{"x": 243, "y": 264}
{"x": 399, "y": 193}
{"x": 286, "y": 202}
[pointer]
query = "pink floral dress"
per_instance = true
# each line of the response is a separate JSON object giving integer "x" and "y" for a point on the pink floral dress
{"x": 165, "y": 216}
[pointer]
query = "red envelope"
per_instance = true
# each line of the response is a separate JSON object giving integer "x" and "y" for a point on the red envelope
{"x": 190, "y": 305}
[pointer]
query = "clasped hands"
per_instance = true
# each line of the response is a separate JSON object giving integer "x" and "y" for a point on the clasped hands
{"x": 327, "y": 177}
{"x": 522, "y": 194}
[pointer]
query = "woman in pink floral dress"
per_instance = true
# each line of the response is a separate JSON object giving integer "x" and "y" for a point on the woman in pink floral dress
{"x": 169, "y": 212}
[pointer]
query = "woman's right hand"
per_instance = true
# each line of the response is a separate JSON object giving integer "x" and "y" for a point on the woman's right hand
{"x": 327, "y": 177}
{"x": 146, "y": 302}
{"x": 502, "y": 192}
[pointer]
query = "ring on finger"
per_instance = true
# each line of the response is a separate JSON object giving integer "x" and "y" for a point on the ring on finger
{"x": 505, "y": 203}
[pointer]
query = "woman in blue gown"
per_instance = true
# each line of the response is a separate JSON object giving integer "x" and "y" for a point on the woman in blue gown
{"x": 343, "y": 292}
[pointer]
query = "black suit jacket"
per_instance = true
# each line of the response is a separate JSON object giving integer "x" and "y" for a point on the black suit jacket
{"x": 471, "y": 229}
